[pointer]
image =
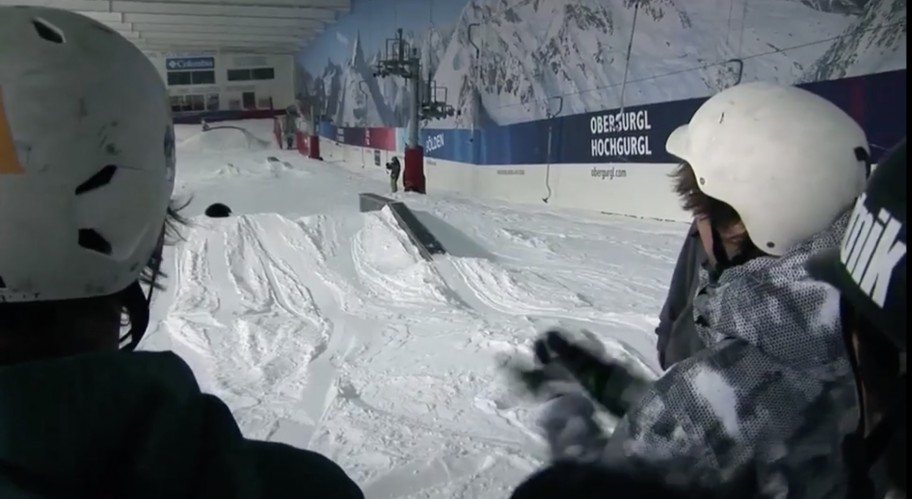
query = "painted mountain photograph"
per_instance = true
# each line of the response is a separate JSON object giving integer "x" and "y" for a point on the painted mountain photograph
{"x": 499, "y": 62}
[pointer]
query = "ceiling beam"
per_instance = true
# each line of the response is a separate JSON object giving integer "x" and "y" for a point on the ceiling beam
{"x": 90, "y": 5}
{"x": 203, "y": 47}
{"x": 183, "y": 8}
{"x": 343, "y": 6}
{"x": 234, "y": 30}
{"x": 219, "y": 37}
{"x": 272, "y": 22}
{"x": 118, "y": 26}
{"x": 202, "y": 9}
{"x": 129, "y": 35}
{"x": 105, "y": 17}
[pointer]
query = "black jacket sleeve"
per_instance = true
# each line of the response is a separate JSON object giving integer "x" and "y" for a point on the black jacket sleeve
{"x": 681, "y": 289}
{"x": 276, "y": 470}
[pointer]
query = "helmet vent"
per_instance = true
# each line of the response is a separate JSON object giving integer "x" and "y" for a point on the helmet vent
{"x": 100, "y": 179}
{"x": 90, "y": 239}
{"x": 48, "y": 31}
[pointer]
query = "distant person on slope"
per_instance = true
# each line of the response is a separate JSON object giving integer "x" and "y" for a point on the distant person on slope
{"x": 84, "y": 205}
{"x": 770, "y": 173}
{"x": 394, "y": 168}
{"x": 290, "y": 126}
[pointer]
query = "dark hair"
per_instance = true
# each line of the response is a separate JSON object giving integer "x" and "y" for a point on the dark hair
{"x": 31, "y": 330}
{"x": 721, "y": 214}
{"x": 152, "y": 274}
{"x": 687, "y": 187}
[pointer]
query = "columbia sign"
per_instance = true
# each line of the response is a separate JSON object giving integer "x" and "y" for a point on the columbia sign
{"x": 182, "y": 63}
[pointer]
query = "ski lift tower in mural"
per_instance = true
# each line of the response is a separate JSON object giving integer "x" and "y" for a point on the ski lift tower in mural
{"x": 403, "y": 60}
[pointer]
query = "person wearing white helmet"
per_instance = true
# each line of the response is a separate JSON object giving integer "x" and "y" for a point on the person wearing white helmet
{"x": 84, "y": 209}
{"x": 770, "y": 173}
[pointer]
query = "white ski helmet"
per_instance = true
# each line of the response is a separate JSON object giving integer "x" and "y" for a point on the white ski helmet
{"x": 789, "y": 162}
{"x": 86, "y": 157}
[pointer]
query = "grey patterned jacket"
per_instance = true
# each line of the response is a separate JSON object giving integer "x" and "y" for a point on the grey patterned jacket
{"x": 773, "y": 389}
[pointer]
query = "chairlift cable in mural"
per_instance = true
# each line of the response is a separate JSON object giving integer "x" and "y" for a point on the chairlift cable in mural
{"x": 731, "y": 14}
{"x": 775, "y": 50}
{"x": 741, "y": 40}
{"x": 560, "y": 107}
{"x": 636, "y": 10}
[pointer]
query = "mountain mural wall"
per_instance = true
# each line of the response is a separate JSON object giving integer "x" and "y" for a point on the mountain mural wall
{"x": 510, "y": 61}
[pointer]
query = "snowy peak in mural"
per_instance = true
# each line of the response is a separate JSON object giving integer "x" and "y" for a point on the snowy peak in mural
{"x": 350, "y": 95}
{"x": 874, "y": 42}
{"x": 507, "y": 61}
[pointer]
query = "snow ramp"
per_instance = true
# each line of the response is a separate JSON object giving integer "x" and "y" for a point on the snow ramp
{"x": 426, "y": 242}
{"x": 224, "y": 138}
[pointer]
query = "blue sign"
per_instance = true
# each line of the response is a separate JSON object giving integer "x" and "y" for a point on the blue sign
{"x": 637, "y": 134}
{"x": 183, "y": 63}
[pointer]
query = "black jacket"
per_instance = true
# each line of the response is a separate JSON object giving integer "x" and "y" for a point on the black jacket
{"x": 633, "y": 480}
{"x": 135, "y": 425}
{"x": 677, "y": 333}
{"x": 394, "y": 167}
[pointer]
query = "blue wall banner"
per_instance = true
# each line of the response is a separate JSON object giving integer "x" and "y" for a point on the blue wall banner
{"x": 452, "y": 144}
{"x": 187, "y": 63}
{"x": 637, "y": 134}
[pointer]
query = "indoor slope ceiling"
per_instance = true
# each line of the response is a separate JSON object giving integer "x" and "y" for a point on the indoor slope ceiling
{"x": 260, "y": 26}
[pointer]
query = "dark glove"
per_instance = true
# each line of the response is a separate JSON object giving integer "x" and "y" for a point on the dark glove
{"x": 611, "y": 383}
{"x": 593, "y": 481}
{"x": 632, "y": 479}
{"x": 542, "y": 381}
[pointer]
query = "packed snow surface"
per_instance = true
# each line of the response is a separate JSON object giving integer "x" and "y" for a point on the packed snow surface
{"x": 322, "y": 327}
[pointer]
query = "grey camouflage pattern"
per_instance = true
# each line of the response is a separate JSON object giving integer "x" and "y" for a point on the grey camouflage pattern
{"x": 775, "y": 346}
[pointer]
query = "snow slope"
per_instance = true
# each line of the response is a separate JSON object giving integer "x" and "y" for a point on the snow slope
{"x": 322, "y": 327}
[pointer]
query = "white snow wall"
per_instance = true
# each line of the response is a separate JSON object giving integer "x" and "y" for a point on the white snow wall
{"x": 639, "y": 190}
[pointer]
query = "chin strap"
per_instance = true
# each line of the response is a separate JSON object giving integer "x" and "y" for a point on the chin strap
{"x": 718, "y": 249}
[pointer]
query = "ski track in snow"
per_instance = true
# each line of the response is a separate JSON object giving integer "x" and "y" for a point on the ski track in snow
{"x": 323, "y": 327}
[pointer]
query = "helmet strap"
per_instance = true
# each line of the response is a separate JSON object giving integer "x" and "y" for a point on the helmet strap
{"x": 137, "y": 302}
{"x": 718, "y": 249}
{"x": 137, "y": 305}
